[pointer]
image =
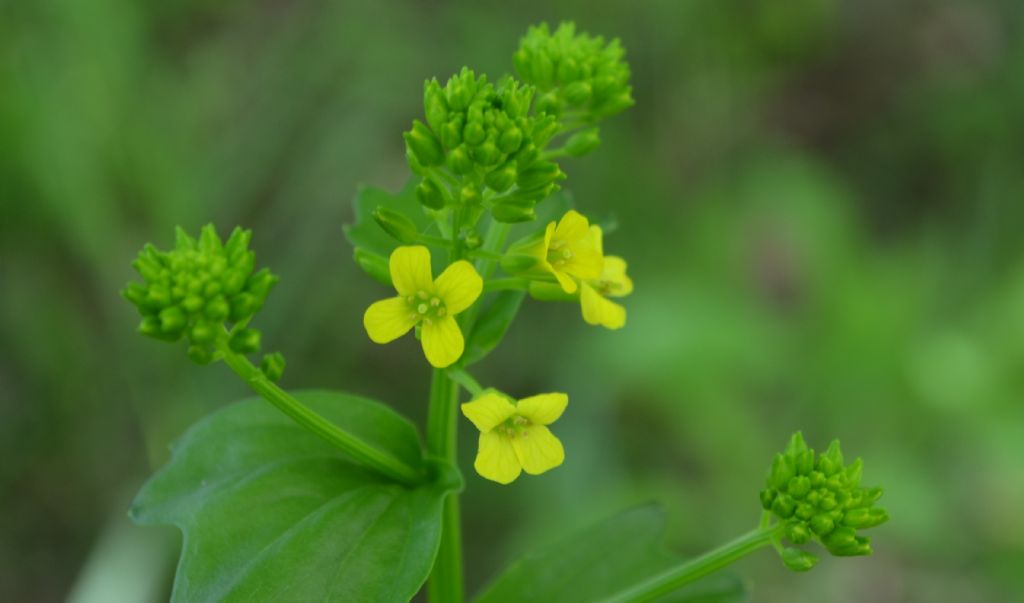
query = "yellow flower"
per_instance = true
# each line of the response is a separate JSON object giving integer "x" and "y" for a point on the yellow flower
{"x": 427, "y": 302}
{"x": 514, "y": 436}
{"x": 568, "y": 251}
{"x": 594, "y": 294}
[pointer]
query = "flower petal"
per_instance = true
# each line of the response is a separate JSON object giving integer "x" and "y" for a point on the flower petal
{"x": 587, "y": 261}
{"x": 388, "y": 319}
{"x": 410, "y": 269}
{"x": 600, "y": 311}
{"x": 564, "y": 280}
{"x": 496, "y": 460}
{"x": 615, "y": 277}
{"x": 572, "y": 227}
{"x": 459, "y": 286}
{"x": 595, "y": 238}
{"x": 488, "y": 410}
{"x": 543, "y": 409}
{"x": 442, "y": 341}
{"x": 538, "y": 450}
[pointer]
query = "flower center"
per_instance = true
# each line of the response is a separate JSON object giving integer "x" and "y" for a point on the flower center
{"x": 426, "y": 306}
{"x": 515, "y": 427}
{"x": 558, "y": 253}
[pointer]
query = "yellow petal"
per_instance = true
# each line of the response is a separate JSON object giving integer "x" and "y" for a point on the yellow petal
{"x": 596, "y": 238}
{"x": 572, "y": 227}
{"x": 388, "y": 319}
{"x": 538, "y": 450}
{"x": 459, "y": 286}
{"x": 496, "y": 460}
{"x": 410, "y": 270}
{"x": 586, "y": 262}
{"x": 488, "y": 410}
{"x": 543, "y": 409}
{"x": 600, "y": 311}
{"x": 615, "y": 278}
{"x": 442, "y": 341}
{"x": 564, "y": 280}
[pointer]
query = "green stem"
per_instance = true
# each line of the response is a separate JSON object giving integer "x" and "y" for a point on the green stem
{"x": 554, "y": 154}
{"x": 677, "y": 577}
{"x": 363, "y": 452}
{"x": 445, "y": 584}
{"x": 463, "y": 378}
{"x": 505, "y": 284}
{"x": 483, "y": 254}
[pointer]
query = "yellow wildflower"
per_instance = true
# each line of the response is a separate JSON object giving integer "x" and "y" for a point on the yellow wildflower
{"x": 514, "y": 436}
{"x": 424, "y": 301}
{"x": 569, "y": 250}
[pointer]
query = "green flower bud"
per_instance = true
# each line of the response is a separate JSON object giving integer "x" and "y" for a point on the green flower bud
{"x": 396, "y": 224}
{"x": 200, "y": 354}
{"x": 435, "y": 108}
{"x": 502, "y": 178}
{"x": 578, "y": 93}
{"x": 822, "y": 524}
{"x": 819, "y": 497}
{"x": 575, "y": 71}
{"x": 424, "y": 145}
{"x": 798, "y": 533}
{"x": 469, "y": 195}
{"x": 511, "y": 211}
{"x": 510, "y": 140}
{"x": 582, "y": 143}
{"x": 245, "y": 341}
{"x": 272, "y": 366}
{"x": 487, "y": 154}
{"x": 192, "y": 290}
{"x": 459, "y": 160}
{"x": 429, "y": 195}
{"x": 539, "y": 174}
{"x": 799, "y": 486}
{"x": 374, "y": 265}
{"x": 797, "y": 560}
{"x": 451, "y": 133}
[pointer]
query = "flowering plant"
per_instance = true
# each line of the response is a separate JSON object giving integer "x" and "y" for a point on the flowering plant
{"x": 334, "y": 497}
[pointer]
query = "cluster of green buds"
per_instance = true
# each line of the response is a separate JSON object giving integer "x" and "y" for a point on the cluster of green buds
{"x": 577, "y": 75}
{"x": 819, "y": 497}
{"x": 204, "y": 291}
{"x": 485, "y": 138}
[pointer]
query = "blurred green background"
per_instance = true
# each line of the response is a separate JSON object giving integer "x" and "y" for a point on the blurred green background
{"x": 821, "y": 203}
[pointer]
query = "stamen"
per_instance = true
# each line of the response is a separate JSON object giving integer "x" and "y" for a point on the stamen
{"x": 422, "y": 308}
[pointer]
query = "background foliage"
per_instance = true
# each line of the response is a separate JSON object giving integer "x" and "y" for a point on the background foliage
{"x": 820, "y": 201}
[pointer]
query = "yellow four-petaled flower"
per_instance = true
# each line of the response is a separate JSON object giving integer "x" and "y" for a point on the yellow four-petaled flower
{"x": 423, "y": 301}
{"x": 569, "y": 250}
{"x": 514, "y": 436}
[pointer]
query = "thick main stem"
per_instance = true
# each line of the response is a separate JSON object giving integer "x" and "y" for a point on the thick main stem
{"x": 694, "y": 569}
{"x": 363, "y": 452}
{"x": 445, "y": 584}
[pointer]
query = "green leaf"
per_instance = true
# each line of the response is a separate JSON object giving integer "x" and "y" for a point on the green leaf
{"x": 271, "y": 512}
{"x": 366, "y": 233}
{"x": 490, "y": 328}
{"x": 601, "y": 561}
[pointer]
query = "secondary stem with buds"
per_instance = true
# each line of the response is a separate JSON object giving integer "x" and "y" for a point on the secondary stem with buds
{"x": 694, "y": 569}
{"x": 372, "y": 457}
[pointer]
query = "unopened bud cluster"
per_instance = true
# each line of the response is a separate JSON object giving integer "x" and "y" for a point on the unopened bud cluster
{"x": 193, "y": 290}
{"x": 484, "y": 135}
{"x": 820, "y": 497}
{"x": 573, "y": 72}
